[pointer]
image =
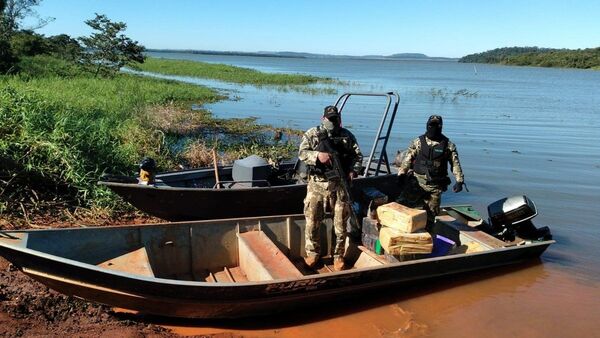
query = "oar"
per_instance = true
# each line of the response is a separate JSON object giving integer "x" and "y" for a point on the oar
{"x": 217, "y": 181}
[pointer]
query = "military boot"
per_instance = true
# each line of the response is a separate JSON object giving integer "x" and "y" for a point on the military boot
{"x": 338, "y": 264}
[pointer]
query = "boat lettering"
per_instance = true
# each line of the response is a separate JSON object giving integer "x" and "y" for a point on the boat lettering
{"x": 309, "y": 284}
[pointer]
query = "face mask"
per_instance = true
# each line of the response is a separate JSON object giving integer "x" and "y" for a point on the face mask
{"x": 434, "y": 131}
{"x": 330, "y": 126}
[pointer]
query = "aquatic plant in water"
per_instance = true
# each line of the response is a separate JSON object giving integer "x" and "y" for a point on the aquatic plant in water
{"x": 444, "y": 95}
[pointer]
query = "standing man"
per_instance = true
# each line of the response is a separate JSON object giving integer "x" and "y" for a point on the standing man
{"x": 424, "y": 170}
{"x": 324, "y": 189}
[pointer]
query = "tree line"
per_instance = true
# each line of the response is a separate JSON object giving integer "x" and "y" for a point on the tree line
{"x": 541, "y": 57}
{"x": 103, "y": 53}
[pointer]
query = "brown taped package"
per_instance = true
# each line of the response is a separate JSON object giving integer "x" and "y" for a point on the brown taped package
{"x": 397, "y": 216}
{"x": 396, "y": 242}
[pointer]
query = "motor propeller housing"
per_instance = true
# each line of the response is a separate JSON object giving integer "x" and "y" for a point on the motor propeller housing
{"x": 511, "y": 210}
{"x": 511, "y": 216}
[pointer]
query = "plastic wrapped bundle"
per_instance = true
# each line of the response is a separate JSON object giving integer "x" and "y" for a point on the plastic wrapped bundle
{"x": 400, "y": 217}
{"x": 396, "y": 242}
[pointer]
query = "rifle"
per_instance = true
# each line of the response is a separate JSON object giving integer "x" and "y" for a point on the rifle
{"x": 338, "y": 172}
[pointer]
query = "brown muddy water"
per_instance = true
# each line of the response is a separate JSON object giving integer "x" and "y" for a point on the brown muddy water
{"x": 530, "y": 300}
{"x": 531, "y": 131}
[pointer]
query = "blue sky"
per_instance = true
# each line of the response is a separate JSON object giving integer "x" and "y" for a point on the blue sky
{"x": 436, "y": 28}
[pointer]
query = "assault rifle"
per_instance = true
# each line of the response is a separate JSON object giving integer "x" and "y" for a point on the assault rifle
{"x": 337, "y": 172}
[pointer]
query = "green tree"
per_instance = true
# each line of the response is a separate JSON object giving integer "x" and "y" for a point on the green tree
{"x": 7, "y": 58}
{"x": 28, "y": 43}
{"x": 108, "y": 49}
{"x": 541, "y": 57}
{"x": 14, "y": 11}
{"x": 64, "y": 47}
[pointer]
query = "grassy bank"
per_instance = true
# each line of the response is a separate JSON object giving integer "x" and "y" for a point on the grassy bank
{"x": 59, "y": 134}
{"x": 227, "y": 73}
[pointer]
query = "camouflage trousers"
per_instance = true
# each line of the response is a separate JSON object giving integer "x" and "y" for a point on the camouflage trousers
{"x": 418, "y": 194}
{"x": 321, "y": 197}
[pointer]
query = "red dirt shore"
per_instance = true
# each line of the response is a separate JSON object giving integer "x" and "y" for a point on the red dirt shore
{"x": 28, "y": 308}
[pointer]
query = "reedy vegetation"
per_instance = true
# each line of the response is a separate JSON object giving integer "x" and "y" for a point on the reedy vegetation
{"x": 65, "y": 121}
{"x": 233, "y": 74}
{"x": 60, "y": 133}
{"x": 224, "y": 72}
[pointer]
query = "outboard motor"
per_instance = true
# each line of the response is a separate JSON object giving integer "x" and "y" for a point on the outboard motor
{"x": 510, "y": 217}
{"x": 252, "y": 171}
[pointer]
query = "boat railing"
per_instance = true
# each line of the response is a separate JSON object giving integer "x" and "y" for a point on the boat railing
{"x": 378, "y": 154}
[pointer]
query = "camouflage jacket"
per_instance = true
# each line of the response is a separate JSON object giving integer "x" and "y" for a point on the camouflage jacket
{"x": 415, "y": 147}
{"x": 310, "y": 141}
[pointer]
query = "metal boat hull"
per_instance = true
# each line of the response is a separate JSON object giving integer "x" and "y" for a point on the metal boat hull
{"x": 186, "y": 204}
{"x": 68, "y": 260}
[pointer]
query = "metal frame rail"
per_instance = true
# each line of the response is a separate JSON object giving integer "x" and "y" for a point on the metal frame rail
{"x": 393, "y": 99}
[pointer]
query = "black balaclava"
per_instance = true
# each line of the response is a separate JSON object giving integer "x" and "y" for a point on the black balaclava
{"x": 434, "y": 128}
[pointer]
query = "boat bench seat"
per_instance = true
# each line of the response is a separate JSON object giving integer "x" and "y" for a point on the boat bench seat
{"x": 261, "y": 260}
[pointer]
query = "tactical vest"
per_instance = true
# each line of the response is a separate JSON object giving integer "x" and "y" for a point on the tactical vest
{"x": 433, "y": 161}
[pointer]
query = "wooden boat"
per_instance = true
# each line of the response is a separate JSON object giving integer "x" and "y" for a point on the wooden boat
{"x": 195, "y": 194}
{"x": 229, "y": 268}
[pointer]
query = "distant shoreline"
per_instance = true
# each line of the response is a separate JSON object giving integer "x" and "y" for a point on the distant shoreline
{"x": 297, "y": 55}
{"x": 588, "y": 58}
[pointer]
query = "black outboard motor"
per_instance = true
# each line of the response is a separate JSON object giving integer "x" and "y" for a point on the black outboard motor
{"x": 512, "y": 216}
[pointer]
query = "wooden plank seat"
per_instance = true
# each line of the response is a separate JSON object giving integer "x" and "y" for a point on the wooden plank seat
{"x": 261, "y": 260}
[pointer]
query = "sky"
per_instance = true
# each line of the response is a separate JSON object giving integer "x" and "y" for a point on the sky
{"x": 435, "y": 28}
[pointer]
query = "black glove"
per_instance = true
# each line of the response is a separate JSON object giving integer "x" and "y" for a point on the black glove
{"x": 458, "y": 187}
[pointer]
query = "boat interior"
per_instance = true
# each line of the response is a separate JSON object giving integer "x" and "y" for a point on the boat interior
{"x": 252, "y": 171}
{"x": 231, "y": 177}
{"x": 223, "y": 251}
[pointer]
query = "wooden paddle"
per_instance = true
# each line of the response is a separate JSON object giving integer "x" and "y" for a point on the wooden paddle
{"x": 217, "y": 181}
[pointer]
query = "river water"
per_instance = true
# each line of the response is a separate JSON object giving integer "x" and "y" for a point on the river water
{"x": 519, "y": 131}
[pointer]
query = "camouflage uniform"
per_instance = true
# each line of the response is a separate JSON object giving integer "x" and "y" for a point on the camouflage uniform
{"x": 322, "y": 194}
{"x": 421, "y": 192}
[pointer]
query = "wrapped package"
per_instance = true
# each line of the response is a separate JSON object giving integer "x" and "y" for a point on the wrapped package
{"x": 396, "y": 242}
{"x": 397, "y": 216}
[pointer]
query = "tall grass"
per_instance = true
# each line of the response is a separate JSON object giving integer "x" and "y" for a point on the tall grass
{"x": 59, "y": 134}
{"x": 66, "y": 132}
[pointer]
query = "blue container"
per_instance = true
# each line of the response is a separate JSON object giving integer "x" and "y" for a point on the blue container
{"x": 441, "y": 246}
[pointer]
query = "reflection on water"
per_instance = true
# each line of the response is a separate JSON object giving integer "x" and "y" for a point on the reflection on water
{"x": 522, "y": 301}
{"x": 531, "y": 131}
{"x": 554, "y": 305}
